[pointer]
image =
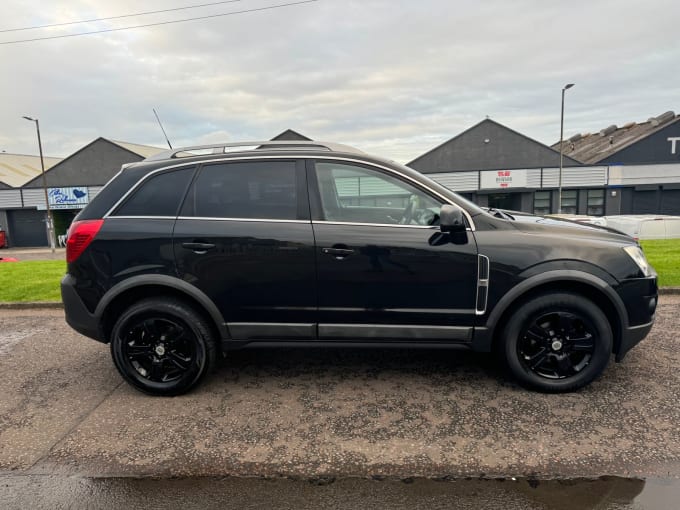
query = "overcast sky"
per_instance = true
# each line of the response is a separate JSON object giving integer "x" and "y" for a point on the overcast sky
{"x": 391, "y": 77}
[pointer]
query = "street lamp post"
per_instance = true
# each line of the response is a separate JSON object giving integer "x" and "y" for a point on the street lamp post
{"x": 559, "y": 190}
{"x": 50, "y": 222}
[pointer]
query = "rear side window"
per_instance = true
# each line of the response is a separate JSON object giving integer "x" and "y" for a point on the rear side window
{"x": 259, "y": 190}
{"x": 160, "y": 195}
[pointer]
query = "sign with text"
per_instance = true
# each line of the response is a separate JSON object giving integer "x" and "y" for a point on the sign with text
{"x": 503, "y": 179}
{"x": 68, "y": 198}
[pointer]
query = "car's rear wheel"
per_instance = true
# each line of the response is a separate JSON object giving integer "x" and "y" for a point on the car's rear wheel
{"x": 557, "y": 342}
{"x": 162, "y": 346}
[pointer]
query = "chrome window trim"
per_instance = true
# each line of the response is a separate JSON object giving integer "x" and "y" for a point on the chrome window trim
{"x": 306, "y": 157}
{"x": 144, "y": 217}
{"x": 209, "y": 218}
{"x": 254, "y": 220}
{"x": 360, "y": 224}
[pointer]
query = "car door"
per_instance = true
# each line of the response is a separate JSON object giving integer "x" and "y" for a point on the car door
{"x": 385, "y": 270}
{"x": 245, "y": 239}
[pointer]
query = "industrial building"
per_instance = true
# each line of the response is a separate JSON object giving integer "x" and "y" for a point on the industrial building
{"x": 633, "y": 169}
{"x": 71, "y": 183}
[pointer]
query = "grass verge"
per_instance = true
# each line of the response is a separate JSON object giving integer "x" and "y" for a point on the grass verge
{"x": 664, "y": 256}
{"x": 32, "y": 280}
{"x": 39, "y": 280}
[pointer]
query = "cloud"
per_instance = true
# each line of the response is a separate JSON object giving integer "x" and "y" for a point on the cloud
{"x": 395, "y": 78}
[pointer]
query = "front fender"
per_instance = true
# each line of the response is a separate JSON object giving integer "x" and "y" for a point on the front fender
{"x": 601, "y": 283}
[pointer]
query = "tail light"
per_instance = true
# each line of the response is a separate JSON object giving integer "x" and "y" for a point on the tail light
{"x": 80, "y": 235}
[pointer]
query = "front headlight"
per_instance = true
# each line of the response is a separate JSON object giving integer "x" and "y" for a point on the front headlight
{"x": 636, "y": 253}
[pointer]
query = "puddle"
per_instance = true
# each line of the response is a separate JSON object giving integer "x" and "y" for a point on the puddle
{"x": 609, "y": 493}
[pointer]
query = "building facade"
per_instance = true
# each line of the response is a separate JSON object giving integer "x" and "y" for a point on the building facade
{"x": 628, "y": 172}
{"x": 634, "y": 169}
{"x": 71, "y": 184}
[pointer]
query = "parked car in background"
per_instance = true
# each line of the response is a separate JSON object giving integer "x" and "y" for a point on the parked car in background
{"x": 197, "y": 251}
{"x": 581, "y": 218}
{"x": 643, "y": 227}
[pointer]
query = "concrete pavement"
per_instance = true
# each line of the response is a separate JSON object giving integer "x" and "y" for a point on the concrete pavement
{"x": 320, "y": 413}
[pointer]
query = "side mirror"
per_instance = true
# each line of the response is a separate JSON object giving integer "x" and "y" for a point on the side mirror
{"x": 451, "y": 219}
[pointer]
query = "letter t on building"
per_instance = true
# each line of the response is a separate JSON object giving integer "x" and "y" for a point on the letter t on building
{"x": 673, "y": 140}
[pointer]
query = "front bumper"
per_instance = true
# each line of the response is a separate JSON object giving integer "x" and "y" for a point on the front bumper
{"x": 77, "y": 315}
{"x": 632, "y": 336}
{"x": 640, "y": 297}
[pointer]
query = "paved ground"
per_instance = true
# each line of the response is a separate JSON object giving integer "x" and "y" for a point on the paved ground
{"x": 311, "y": 413}
{"x": 34, "y": 253}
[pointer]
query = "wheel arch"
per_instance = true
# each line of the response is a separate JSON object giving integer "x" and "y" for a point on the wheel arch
{"x": 125, "y": 293}
{"x": 577, "y": 282}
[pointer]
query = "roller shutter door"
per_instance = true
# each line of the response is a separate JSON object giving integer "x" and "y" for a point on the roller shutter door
{"x": 644, "y": 202}
{"x": 27, "y": 228}
{"x": 670, "y": 201}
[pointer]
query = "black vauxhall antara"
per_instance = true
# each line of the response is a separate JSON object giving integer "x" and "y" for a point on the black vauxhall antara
{"x": 197, "y": 251}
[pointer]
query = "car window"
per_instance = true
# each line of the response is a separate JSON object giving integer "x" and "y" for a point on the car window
{"x": 352, "y": 193}
{"x": 159, "y": 195}
{"x": 259, "y": 190}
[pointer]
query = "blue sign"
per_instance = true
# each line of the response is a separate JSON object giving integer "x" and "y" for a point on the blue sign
{"x": 68, "y": 198}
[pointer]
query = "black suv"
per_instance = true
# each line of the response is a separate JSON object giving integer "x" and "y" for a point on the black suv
{"x": 200, "y": 250}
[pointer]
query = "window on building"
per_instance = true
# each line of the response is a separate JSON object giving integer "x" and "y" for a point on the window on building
{"x": 595, "y": 202}
{"x": 570, "y": 201}
{"x": 159, "y": 195}
{"x": 255, "y": 190}
{"x": 542, "y": 202}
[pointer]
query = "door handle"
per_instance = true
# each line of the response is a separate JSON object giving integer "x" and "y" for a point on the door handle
{"x": 199, "y": 248}
{"x": 338, "y": 253}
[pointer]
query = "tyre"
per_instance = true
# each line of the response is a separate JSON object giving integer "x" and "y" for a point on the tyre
{"x": 162, "y": 346}
{"x": 557, "y": 342}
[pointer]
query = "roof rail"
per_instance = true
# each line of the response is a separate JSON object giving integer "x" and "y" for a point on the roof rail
{"x": 227, "y": 148}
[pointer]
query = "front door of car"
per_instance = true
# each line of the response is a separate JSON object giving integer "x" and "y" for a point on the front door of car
{"x": 385, "y": 271}
{"x": 245, "y": 239}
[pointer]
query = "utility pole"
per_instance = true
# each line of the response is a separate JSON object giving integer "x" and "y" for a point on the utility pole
{"x": 559, "y": 189}
{"x": 50, "y": 221}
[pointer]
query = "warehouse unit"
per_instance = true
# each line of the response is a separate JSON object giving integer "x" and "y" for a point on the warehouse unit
{"x": 495, "y": 166}
{"x": 71, "y": 183}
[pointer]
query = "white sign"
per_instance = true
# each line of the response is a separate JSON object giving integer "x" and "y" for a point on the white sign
{"x": 503, "y": 179}
{"x": 673, "y": 140}
{"x": 68, "y": 198}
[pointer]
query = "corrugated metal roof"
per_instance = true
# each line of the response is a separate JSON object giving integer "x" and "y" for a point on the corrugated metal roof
{"x": 146, "y": 151}
{"x": 17, "y": 169}
{"x": 594, "y": 147}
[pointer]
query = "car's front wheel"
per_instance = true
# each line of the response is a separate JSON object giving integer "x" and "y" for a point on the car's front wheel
{"x": 557, "y": 342}
{"x": 162, "y": 346}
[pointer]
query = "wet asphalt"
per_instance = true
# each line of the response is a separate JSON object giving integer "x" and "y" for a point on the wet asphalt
{"x": 52, "y": 492}
{"x": 71, "y": 428}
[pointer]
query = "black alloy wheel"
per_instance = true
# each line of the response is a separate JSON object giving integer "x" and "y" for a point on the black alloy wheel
{"x": 159, "y": 349}
{"x": 162, "y": 346}
{"x": 557, "y": 345}
{"x": 557, "y": 342}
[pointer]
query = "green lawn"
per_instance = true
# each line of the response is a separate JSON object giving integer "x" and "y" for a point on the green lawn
{"x": 664, "y": 256}
{"x": 32, "y": 280}
{"x": 39, "y": 280}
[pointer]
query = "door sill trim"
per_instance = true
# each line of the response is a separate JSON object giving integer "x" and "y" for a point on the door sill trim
{"x": 395, "y": 332}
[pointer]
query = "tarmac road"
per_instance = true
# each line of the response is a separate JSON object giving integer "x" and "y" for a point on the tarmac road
{"x": 332, "y": 413}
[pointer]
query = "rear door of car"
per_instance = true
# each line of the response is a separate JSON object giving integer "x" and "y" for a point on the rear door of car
{"x": 244, "y": 238}
{"x": 385, "y": 270}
